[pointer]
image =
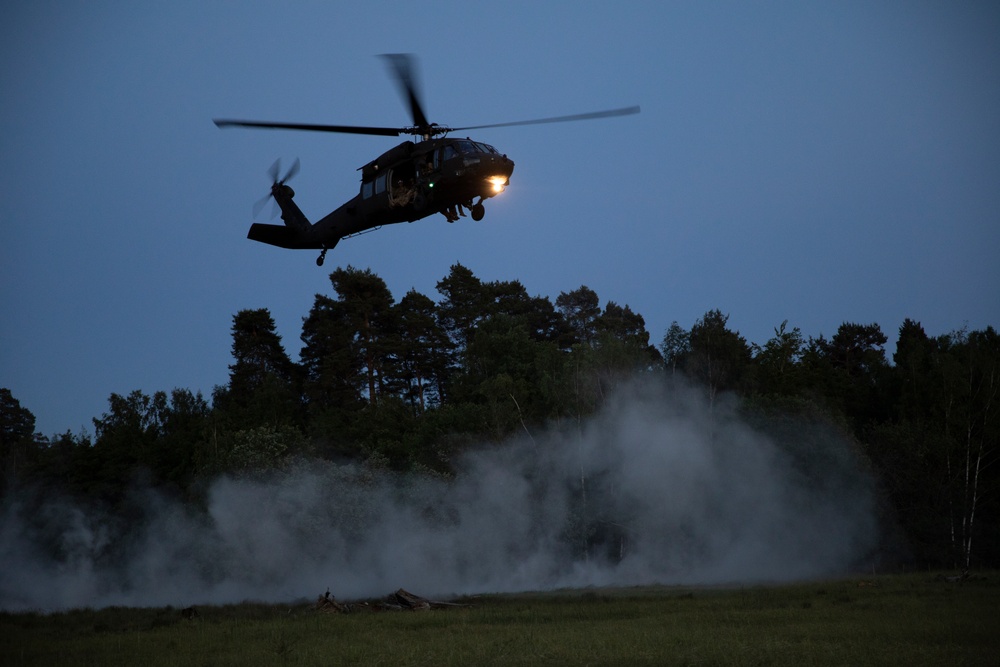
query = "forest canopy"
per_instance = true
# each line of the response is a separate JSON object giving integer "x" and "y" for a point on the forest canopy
{"x": 408, "y": 385}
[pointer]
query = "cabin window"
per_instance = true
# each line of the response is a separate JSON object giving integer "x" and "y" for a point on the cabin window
{"x": 447, "y": 153}
{"x": 380, "y": 184}
{"x": 366, "y": 190}
{"x": 402, "y": 187}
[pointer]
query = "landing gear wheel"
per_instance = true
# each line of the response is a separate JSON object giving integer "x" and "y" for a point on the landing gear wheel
{"x": 322, "y": 257}
{"x": 478, "y": 211}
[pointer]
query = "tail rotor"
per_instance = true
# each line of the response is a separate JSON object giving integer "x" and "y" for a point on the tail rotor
{"x": 277, "y": 186}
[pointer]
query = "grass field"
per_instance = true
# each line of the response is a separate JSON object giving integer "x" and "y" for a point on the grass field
{"x": 890, "y": 620}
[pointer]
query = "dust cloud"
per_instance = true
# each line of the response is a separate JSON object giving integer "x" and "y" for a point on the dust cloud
{"x": 659, "y": 487}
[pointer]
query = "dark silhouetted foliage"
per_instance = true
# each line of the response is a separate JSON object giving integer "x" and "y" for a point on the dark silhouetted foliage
{"x": 410, "y": 385}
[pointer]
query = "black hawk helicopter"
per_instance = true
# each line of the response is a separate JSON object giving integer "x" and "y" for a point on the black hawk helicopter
{"x": 436, "y": 174}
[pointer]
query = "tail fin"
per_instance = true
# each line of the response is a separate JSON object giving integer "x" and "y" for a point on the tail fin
{"x": 293, "y": 217}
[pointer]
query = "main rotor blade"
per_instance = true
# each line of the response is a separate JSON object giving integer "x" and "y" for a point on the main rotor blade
{"x": 343, "y": 129}
{"x": 625, "y": 111}
{"x": 403, "y": 66}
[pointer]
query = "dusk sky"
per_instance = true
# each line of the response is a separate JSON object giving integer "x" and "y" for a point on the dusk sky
{"x": 802, "y": 161}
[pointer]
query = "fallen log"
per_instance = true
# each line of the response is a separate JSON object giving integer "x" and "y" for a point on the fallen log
{"x": 401, "y": 600}
{"x": 410, "y": 601}
{"x": 327, "y": 604}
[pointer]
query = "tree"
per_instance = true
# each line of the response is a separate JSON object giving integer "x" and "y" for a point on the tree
{"x": 858, "y": 349}
{"x": 466, "y": 301}
{"x": 423, "y": 351}
{"x": 330, "y": 366}
{"x": 17, "y": 440}
{"x": 366, "y": 307}
{"x": 500, "y": 373}
{"x": 937, "y": 452}
{"x": 629, "y": 328}
{"x": 62, "y": 463}
{"x": 352, "y": 356}
{"x": 623, "y": 347}
{"x": 537, "y": 314}
{"x": 778, "y": 362}
{"x": 718, "y": 357}
{"x": 971, "y": 415}
{"x": 159, "y": 435}
{"x": 263, "y": 381}
{"x": 582, "y": 388}
{"x": 257, "y": 352}
{"x": 851, "y": 371}
{"x": 182, "y": 447}
{"x": 676, "y": 346}
{"x": 580, "y": 309}
{"x": 610, "y": 347}
{"x": 124, "y": 439}
{"x": 913, "y": 360}
{"x": 260, "y": 450}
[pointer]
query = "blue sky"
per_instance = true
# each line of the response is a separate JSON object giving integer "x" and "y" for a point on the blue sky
{"x": 815, "y": 162}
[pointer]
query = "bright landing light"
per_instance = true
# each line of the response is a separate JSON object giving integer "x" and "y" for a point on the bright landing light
{"x": 498, "y": 183}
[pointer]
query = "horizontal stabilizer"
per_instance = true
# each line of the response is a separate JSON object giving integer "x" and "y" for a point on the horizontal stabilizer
{"x": 281, "y": 236}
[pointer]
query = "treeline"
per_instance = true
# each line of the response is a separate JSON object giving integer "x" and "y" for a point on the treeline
{"x": 407, "y": 385}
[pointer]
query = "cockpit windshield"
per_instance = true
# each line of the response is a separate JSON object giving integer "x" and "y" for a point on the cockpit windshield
{"x": 467, "y": 147}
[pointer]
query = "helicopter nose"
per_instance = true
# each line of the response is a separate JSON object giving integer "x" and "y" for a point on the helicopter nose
{"x": 504, "y": 165}
{"x": 496, "y": 165}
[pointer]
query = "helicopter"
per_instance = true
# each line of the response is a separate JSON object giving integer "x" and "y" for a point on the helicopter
{"x": 416, "y": 179}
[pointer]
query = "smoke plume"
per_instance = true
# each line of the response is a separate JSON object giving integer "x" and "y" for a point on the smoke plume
{"x": 658, "y": 487}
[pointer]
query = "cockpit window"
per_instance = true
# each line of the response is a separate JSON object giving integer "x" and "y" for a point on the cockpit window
{"x": 466, "y": 147}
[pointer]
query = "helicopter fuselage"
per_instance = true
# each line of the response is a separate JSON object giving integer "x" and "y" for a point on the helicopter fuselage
{"x": 404, "y": 184}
